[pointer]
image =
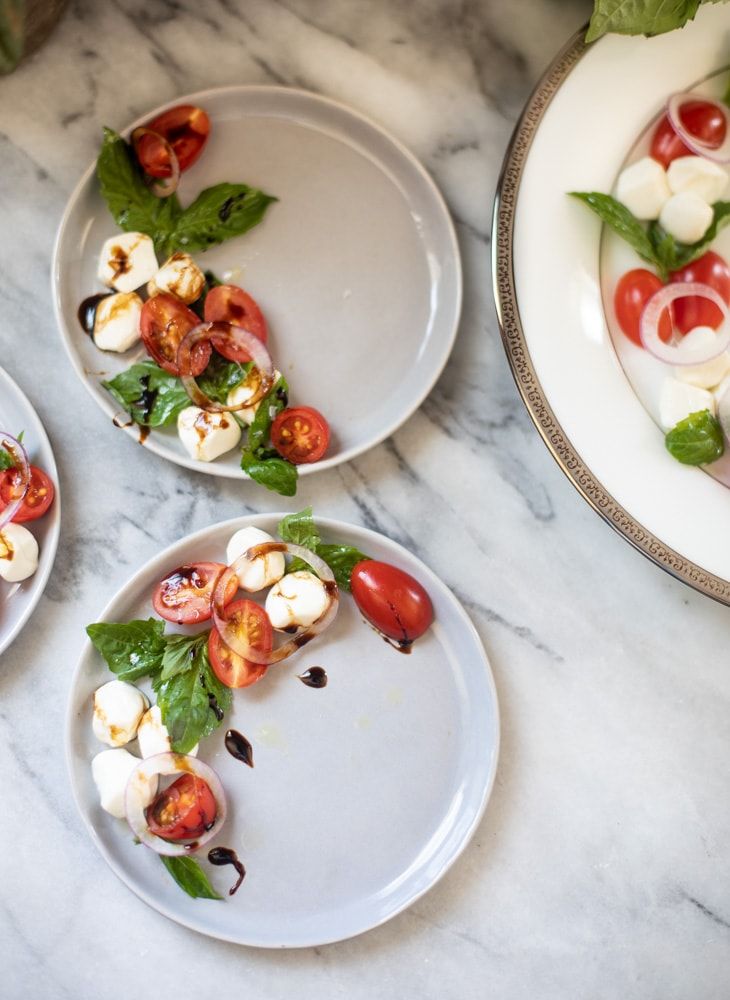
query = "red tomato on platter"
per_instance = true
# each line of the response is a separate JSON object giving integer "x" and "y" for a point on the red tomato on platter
{"x": 164, "y": 322}
{"x": 182, "y": 811}
{"x": 184, "y": 596}
{"x": 249, "y": 621}
{"x": 37, "y": 500}
{"x": 701, "y": 119}
{"x": 712, "y": 270}
{"x": 300, "y": 434}
{"x": 185, "y": 127}
{"x": 633, "y": 291}
{"x": 230, "y": 304}
{"x": 391, "y": 600}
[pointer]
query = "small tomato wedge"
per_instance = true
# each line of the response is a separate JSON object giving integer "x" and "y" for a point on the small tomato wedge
{"x": 633, "y": 291}
{"x": 38, "y": 498}
{"x": 164, "y": 322}
{"x": 230, "y": 304}
{"x": 701, "y": 119}
{"x": 709, "y": 269}
{"x": 391, "y": 600}
{"x": 182, "y": 811}
{"x": 184, "y": 596}
{"x": 186, "y": 128}
{"x": 251, "y": 622}
{"x": 300, "y": 434}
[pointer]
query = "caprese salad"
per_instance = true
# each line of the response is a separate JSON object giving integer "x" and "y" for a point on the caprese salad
{"x": 208, "y": 370}
{"x": 149, "y": 774}
{"x": 26, "y": 494}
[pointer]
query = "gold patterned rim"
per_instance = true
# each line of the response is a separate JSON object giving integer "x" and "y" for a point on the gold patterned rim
{"x": 518, "y": 355}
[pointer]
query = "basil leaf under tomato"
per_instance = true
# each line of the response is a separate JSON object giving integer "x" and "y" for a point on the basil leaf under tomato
{"x": 674, "y": 255}
{"x": 217, "y": 214}
{"x": 616, "y": 215}
{"x": 131, "y": 649}
{"x": 639, "y": 17}
{"x": 150, "y": 395}
{"x": 190, "y": 877}
{"x": 696, "y": 440}
{"x": 258, "y": 460}
{"x": 6, "y": 460}
{"x": 221, "y": 376}
{"x": 184, "y": 696}
{"x": 181, "y": 652}
{"x": 271, "y": 405}
{"x": 341, "y": 559}
{"x": 300, "y": 529}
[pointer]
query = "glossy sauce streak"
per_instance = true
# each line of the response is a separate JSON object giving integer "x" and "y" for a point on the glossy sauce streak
{"x": 315, "y": 677}
{"x": 87, "y": 311}
{"x": 213, "y": 702}
{"x": 239, "y": 747}
{"x": 227, "y": 856}
{"x": 144, "y": 433}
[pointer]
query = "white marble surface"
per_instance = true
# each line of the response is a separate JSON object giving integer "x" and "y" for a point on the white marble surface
{"x": 601, "y": 867}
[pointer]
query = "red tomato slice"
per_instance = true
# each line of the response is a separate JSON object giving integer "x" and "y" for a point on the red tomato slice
{"x": 251, "y": 622}
{"x": 184, "y": 596}
{"x": 182, "y": 811}
{"x": 391, "y": 600}
{"x": 186, "y": 128}
{"x": 701, "y": 119}
{"x": 300, "y": 434}
{"x": 633, "y": 291}
{"x": 712, "y": 270}
{"x": 230, "y": 304}
{"x": 37, "y": 500}
{"x": 164, "y": 322}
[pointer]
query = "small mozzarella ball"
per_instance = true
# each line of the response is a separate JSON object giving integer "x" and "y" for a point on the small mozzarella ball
{"x": 721, "y": 389}
{"x": 118, "y": 707}
{"x": 686, "y": 217}
{"x": 679, "y": 399}
{"x": 709, "y": 374}
{"x": 116, "y": 325}
{"x": 245, "y": 391}
{"x": 18, "y": 553}
{"x": 127, "y": 261}
{"x": 110, "y": 770}
{"x": 262, "y": 571}
{"x": 703, "y": 177}
{"x": 180, "y": 276}
{"x": 152, "y": 735}
{"x": 643, "y": 188}
{"x": 206, "y": 435}
{"x": 297, "y": 599}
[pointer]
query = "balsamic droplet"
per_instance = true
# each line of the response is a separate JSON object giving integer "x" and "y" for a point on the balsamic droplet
{"x": 227, "y": 856}
{"x": 315, "y": 677}
{"x": 239, "y": 747}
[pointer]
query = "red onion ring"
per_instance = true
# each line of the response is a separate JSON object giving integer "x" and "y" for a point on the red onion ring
{"x": 672, "y": 354}
{"x": 240, "y": 644}
{"x": 161, "y": 187}
{"x": 238, "y": 337}
{"x": 22, "y": 466}
{"x": 720, "y": 154}
{"x": 135, "y": 801}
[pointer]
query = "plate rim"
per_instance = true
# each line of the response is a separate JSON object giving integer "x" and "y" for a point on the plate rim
{"x": 212, "y": 468}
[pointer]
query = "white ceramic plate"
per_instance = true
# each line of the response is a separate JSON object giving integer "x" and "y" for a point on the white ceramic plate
{"x": 356, "y": 267}
{"x": 17, "y": 600}
{"x": 577, "y": 128}
{"x": 363, "y": 793}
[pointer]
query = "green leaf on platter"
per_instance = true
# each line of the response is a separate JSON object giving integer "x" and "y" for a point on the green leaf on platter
{"x": 131, "y": 649}
{"x": 300, "y": 529}
{"x": 341, "y": 559}
{"x": 217, "y": 214}
{"x": 221, "y": 376}
{"x": 276, "y": 474}
{"x": 611, "y": 212}
{"x": 149, "y": 394}
{"x": 696, "y": 440}
{"x": 190, "y": 877}
{"x": 639, "y": 17}
{"x": 182, "y": 652}
{"x": 184, "y": 696}
{"x": 673, "y": 255}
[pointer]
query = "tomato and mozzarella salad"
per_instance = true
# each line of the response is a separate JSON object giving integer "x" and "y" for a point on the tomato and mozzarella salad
{"x": 26, "y": 494}
{"x": 265, "y": 603}
{"x": 207, "y": 370}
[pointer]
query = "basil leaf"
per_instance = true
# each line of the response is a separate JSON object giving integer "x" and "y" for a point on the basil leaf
{"x": 674, "y": 255}
{"x": 217, "y": 214}
{"x": 12, "y": 33}
{"x": 151, "y": 396}
{"x": 221, "y": 376}
{"x": 131, "y": 649}
{"x": 341, "y": 559}
{"x": 190, "y": 877}
{"x": 696, "y": 440}
{"x": 275, "y": 474}
{"x": 300, "y": 529}
{"x": 6, "y": 460}
{"x": 620, "y": 219}
{"x": 211, "y": 281}
{"x": 271, "y": 405}
{"x": 183, "y": 697}
{"x": 218, "y": 695}
{"x": 639, "y": 17}
{"x": 180, "y": 654}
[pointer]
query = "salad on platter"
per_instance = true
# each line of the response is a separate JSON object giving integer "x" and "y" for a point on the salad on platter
{"x": 26, "y": 495}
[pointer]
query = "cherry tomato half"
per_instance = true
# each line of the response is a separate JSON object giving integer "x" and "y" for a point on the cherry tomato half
{"x": 249, "y": 619}
{"x": 37, "y": 500}
{"x": 712, "y": 270}
{"x": 701, "y": 119}
{"x": 185, "y": 127}
{"x": 182, "y": 811}
{"x": 300, "y": 434}
{"x": 184, "y": 596}
{"x": 164, "y": 322}
{"x": 230, "y": 304}
{"x": 633, "y": 291}
{"x": 391, "y": 600}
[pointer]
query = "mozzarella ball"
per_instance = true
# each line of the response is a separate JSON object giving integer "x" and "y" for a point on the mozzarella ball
{"x": 709, "y": 374}
{"x": 180, "y": 276}
{"x": 262, "y": 571}
{"x": 246, "y": 391}
{"x": 643, "y": 188}
{"x": 116, "y": 324}
{"x": 152, "y": 735}
{"x": 110, "y": 770}
{"x": 206, "y": 435}
{"x": 118, "y": 707}
{"x": 697, "y": 174}
{"x": 127, "y": 261}
{"x": 686, "y": 217}
{"x": 679, "y": 399}
{"x": 18, "y": 553}
{"x": 719, "y": 391}
{"x": 297, "y": 599}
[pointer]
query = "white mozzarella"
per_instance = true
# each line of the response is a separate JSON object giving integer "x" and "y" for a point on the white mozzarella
{"x": 643, "y": 188}
{"x": 709, "y": 374}
{"x": 110, "y": 770}
{"x": 297, "y": 599}
{"x": 127, "y": 261}
{"x": 679, "y": 399}
{"x": 686, "y": 217}
{"x": 703, "y": 177}
{"x": 118, "y": 707}
{"x": 262, "y": 571}
{"x": 116, "y": 324}
{"x": 206, "y": 435}
{"x": 18, "y": 553}
{"x": 245, "y": 391}
{"x": 179, "y": 276}
{"x": 152, "y": 735}
{"x": 721, "y": 389}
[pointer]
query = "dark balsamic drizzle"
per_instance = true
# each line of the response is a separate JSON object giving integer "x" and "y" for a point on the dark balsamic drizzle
{"x": 122, "y": 420}
{"x": 227, "y": 856}
{"x": 239, "y": 747}
{"x": 401, "y": 645}
{"x": 87, "y": 311}
{"x": 213, "y": 701}
{"x": 314, "y": 677}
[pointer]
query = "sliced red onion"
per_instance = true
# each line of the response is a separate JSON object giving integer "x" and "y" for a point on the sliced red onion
{"x": 237, "y": 336}
{"x": 22, "y": 466}
{"x": 161, "y": 187}
{"x": 136, "y": 799}
{"x": 681, "y": 353}
{"x": 239, "y": 644}
{"x": 721, "y": 154}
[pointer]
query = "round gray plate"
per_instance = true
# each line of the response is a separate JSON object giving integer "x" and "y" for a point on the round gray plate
{"x": 363, "y": 792}
{"x": 356, "y": 267}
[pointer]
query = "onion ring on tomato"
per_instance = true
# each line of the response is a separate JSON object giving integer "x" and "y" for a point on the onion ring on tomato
{"x": 239, "y": 337}
{"x": 672, "y": 354}
{"x": 720, "y": 154}
{"x": 161, "y": 187}
{"x": 135, "y": 800}
{"x": 16, "y": 449}
{"x": 240, "y": 645}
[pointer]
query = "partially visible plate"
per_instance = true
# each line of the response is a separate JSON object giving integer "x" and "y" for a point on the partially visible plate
{"x": 17, "y": 600}
{"x": 356, "y": 267}
{"x": 363, "y": 793}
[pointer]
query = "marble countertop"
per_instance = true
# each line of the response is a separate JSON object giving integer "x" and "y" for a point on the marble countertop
{"x": 601, "y": 867}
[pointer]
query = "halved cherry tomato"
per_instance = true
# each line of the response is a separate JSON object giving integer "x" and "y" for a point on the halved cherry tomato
{"x": 633, "y": 291}
{"x": 185, "y": 127}
{"x": 184, "y": 596}
{"x": 391, "y": 600}
{"x": 164, "y": 322}
{"x": 37, "y": 500}
{"x": 712, "y": 270}
{"x": 300, "y": 434}
{"x": 182, "y": 811}
{"x": 230, "y": 304}
{"x": 701, "y": 119}
{"x": 230, "y": 668}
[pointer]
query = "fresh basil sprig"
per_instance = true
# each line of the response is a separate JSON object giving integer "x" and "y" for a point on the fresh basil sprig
{"x": 131, "y": 649}
{"x": 190, "y": 877}
{"x": 150, "y": 395}
{"x": 260, "y": 462}
{"x": 6, "y": 460}
{"x": 640, "y": 17}
{"x": 300, "y": 529}
{"x": 696, "y": 440}
{"x": 221, "y": 376}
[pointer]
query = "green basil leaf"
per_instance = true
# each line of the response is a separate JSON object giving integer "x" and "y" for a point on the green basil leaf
{"x": 218, "y": 695}
{"x": 187, "y": 710}
{"x": 674, "y": 255}
{"x": 12, "y": 33}
{"x": 620, "y": 219}
{"x": 190, "y": 877}
{"x": 271, "y": 405}
{"x": 6, "y": 460}
{"x": 131, "y": 649}
{"x": 217, "y": 214}
{"x": 275, "y": 474}
{"x": 221, "y": 376}
{"x": 212, "y": 281}
{"x": 181, "y": 652}
{"x": 341, "y": 559}
{"x": 639, "y": 17}
{"x": 149, "y": 394}
{"x": 696, "y": 440}
{"x": 300, "y": 529}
